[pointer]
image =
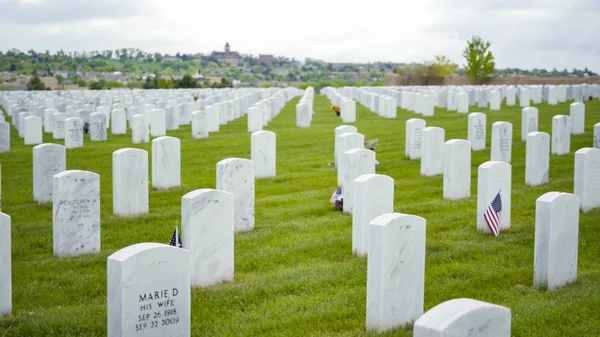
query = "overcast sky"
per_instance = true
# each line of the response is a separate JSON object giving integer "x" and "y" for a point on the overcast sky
{"x": 524, "y": 33}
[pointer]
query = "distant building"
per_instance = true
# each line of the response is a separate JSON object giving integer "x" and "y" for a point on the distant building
{"x": 168, "y": 58}
{"x": 265, "y": 59}
{"x": 230, "y": 57}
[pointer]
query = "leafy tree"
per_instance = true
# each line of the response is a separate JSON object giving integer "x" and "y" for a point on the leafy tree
{"x": 186, "y": 82}
{"x": 442, "y": 66}
{"x": 95, "y": 86}
{"x": 35, "y": 83}
{"x": 480, "y": 61}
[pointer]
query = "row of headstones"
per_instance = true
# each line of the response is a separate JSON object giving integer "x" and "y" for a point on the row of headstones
{"x": 159, "y": 120}
{"x": 305, "y": 108}
{"x": 265, "y": 110}
{"x": 347, "y": 105}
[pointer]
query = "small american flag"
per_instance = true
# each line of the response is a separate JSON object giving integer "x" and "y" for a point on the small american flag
{"x": 175, "y": 239}
{"x": 492, "y": 215}
{"x": 336, "y": 195}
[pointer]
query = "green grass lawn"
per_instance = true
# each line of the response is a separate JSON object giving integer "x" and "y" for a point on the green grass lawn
{"x": 295, "y": 274}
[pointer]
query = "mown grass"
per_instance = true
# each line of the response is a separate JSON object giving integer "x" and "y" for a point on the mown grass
{"x": 295, "y": 274}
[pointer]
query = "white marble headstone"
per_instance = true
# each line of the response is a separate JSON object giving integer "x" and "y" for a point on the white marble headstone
{"x": 255, "y": 116}
{"x": 596, "y": 143}
{"x": 577, "y": 114}
{"x": 477, "y": 131}
{"x": 432, "y": 151}
{"x": 76, "y": 213}
{"x": 303, "y": 115}
{"x": 199, "y": 125}
{"x": 236, "y": 176}
{"x": 556, "y": 240}
{"x": 4, "y": 137}
{"x": 140, "y": 132}
{"x": 587, "y": 178}
{"x": 166, "y": 162}
{"x": 357, "y": 162}
{"x": 130, "y": 182}
{"x": 119, "y": 122}
{"x": 58, "y": 132}
{"x": 98, "y": 127}
{"x": 172, "y": 117}
{"x": 495, "y": 100}
{"x": 561, "y": 135}
{"x": 529, "y": 121}
{"x": 207, "y": 232}
{"x": 395, "y": 271}
{"x": 414, "y": 137}
{"x": 463, "y": 317}
{"x": 537, "y": 159}
{"x": 148, "y": 291}
{"x": 32, "y": 130}
{"x": 373, "y": 195}
{"x": 48, "y": 160}
{"x": 339, "y": 131}
{"x": 347, "y": 141}
{"x": 5, "y": 266}
{"x": 264, "y": 153}
{"x": 73, "y": 133}
{"x": 494, "y": 177}
{"x": 158, "y": 123}
{"x": 457, "y": 169}
{"x": 502, "y": 142}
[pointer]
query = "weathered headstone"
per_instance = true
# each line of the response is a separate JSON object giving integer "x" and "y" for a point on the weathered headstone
{"x": 5, "y": 266}
{"x": 395, "y": 271}
{"x": 432, "y": 151}
{"x": 172, "y": 118}
{"x": 561, "y": 135}
{"x": 130, "y": 182}
{"x": 236, "y": 176}
{"x": 166, "y": 162}
{"x": 457, "y": 169}
{"x": 501, "y": 142}
{"x": 529, "y": 122}
{"x": 33, "y": 130}
{"x": 357, "y": 162}
{"x": 264, "y": 153}
{"x": 577, "y": 115}
{"x": 537, "y": 159}
{"x": 493, "y": 177}
{"x": 76, "y": 213}
{"x": 73, "y": 133}
{"x": 98, "y": 127}
{"x": 556, "y": 240}
{"x": 464, "y": 317}
{"x": 148, "y": 291}
{"x": 207, "y": 232}
{"x": 414, "y": 137}
{"x": 587, "y": 178}
{"x": 373, "y": 195}
{"x": 48, "y": 160}
{"x": 477, "y": 131}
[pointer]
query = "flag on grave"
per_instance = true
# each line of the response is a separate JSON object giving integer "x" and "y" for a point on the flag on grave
{"x": 493, "y": 214}
{"x": 175, "y": 239}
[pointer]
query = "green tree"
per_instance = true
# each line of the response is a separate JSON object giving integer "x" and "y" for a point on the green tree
{"x": 480, "y": 61}
{"x": 186, "y": 82}
{"x": 442, "y": 66}
{"x": 36, "y": 84}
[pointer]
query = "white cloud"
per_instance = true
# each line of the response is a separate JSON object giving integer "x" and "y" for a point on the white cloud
{"x": 524, "y": 33}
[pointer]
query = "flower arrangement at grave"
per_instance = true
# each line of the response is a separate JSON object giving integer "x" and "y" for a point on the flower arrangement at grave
{"x": 335, "y": 108}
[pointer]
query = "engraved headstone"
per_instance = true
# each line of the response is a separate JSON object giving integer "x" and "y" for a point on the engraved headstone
{"x": 148, "y": 291}
{"x": 529, "y": 122}
{"x": 119, "y": 122}
{"x": 501, "y": 142}
{"x": 357, "y": 162}
{"x": 33, "y": 130}
{"x": 73, "y": 133}
{"x": 199, "y": 125}
{"x": 596, "y": 136}
{"x": 158, "y": 123}
{"x": 207, "y": 232}
{"x": 347, "y": 141}
{"x": 577, "y": 114}
{"x": 263, "y": 153}
{"x": 339, "y": 131}
{"x": 140, "y": 132}
{"x": 561, "y": 135}
{"x": 98, "y": 127}
{"x": 4, "y": 137}
{"x": 414, "y": 136}
{"x": 477, "y": 131}
{"x": 76, "y": 213}
{"x": 59, "y": 126}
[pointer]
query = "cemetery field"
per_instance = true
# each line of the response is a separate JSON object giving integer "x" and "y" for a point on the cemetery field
{"x": 295, "y": 274}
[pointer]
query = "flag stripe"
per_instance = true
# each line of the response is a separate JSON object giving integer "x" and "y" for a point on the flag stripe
{"x": 492, "y": 215}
